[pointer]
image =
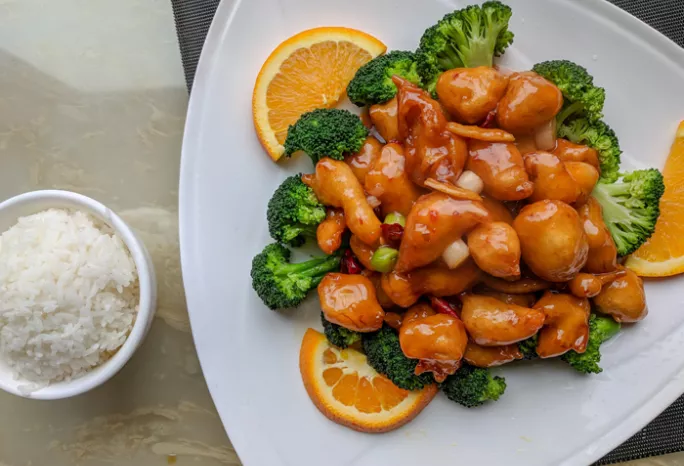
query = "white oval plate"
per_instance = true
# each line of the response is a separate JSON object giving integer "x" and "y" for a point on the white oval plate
{"x": 549, "y": 414}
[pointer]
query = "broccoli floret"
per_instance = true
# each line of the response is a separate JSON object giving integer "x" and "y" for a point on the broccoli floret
{"x": 599, "y": 136}
{"x": 467, "y": 38}
{"x": 472, "y": 386}
{"x": 528, "y": 347}
{"x": 338, "y": 335}
{"x": 581, "y": 97}
{"x": 372, "y": 83}
{"x": 384, "y": 354}
{"x": 294, "y": 212}
{"x": 326, "y": 132}
{"x": 282, "y": 285}
{"x": 601, "y": 328}
{"x": 631, "y": 207}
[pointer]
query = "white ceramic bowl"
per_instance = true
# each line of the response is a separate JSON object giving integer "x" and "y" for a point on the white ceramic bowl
{"x": 36, "y": 201}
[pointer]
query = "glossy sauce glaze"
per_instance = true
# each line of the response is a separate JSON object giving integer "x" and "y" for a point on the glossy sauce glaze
{"x": 329, "y": 231}
{"x": 376, "y": 278}
{"x": 384, "y": 118}
{"x": 362, "y": 251}
{"x": 586, "y": 176}
{"x": 438, "y": 341}
{"x": 525, "y": 285}
{"x": 388, "y": 181}
{"x": 498, "y": 212}
{"x": 491, "y": 322}
{"x": 431, "y": 150}
{"x": 362, "y": 162}
{"x": 335, "y": 185}
{"x": 624, "y": 298}
{"x": 588, "y": 285}
{"x": 529, "y": 102}
{"x": 501, "y": 168}
{"x": 566, "y": 326}
{"x": 551, "y": 178}
{"x": 469, "y": 94}
{"x": 552, "y": 239}
{"x": 490, "y": 356}
{"x": 435, "y": 221}
{"x": 569, "y": 152}
{"x": 404, "y": 289}
{"x": 495, "y": 248}
{"x": 524, "y": 299}
{"x": 602, "y": 250}
{"x": 350, "y": 301}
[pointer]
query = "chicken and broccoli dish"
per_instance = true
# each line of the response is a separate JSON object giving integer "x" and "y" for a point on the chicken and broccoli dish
{"x": 469, "y": 216}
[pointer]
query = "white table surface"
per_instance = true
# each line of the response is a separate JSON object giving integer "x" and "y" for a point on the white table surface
{"x": 93, "y": 100}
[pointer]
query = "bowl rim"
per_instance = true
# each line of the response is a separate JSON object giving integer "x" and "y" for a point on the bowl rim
{"x": 146, "y": 305}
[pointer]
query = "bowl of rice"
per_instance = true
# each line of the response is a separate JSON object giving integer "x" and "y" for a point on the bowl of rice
{"x": 77, "y": 294}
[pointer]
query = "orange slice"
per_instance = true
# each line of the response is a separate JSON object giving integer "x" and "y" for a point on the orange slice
{"x": 308, "y": 71}
{"x": 663, "y": 254}
{"x": 348, "y": 391}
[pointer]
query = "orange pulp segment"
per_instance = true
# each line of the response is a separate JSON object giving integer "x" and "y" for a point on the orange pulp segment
{"x": 663, "y": 254}
{"x": 348, "y": 391}
{"x": 308, "y": 71}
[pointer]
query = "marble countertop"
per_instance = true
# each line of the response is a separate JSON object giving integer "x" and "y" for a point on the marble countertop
{"x": 93, "y": 100}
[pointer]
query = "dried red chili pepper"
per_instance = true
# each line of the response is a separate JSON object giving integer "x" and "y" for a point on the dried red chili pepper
{"x": 392, "y": 233}
{"x": 489, "y": 120}
{"x": 350, "y": 264}
{"x": 443, "y": 307}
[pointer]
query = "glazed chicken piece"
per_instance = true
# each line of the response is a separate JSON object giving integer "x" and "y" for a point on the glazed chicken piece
{"x": 329, "y": 231}
{"x": 362, "y": 251}
{"x": 362, "y": 162}
{"x": 469, "y": 94}
{"x": 419, "y": 311}
{"x": 566, "y": 326}
{"x": 526, "y": 143}
{"x": 623, "y": 298}
{"x": 586, "y": 177}
{"x": 405, "y": 289}
{"x": 479, "y": 133}
{"x": 490, "y": 356}
{"x": 551, "y": 179}
{"x": 491, "y": 322}
{"x": 525, "y": 285}
{"x": 552, "y": 239}
{"x": 389, "y": 182}
{"x": 431, "y": 150}
{"x": 569, "y": 152}
{"x": 529, "y": 102}
{"x": 588, "y": 285}
{"x": 501, "y": 168}
{"x": 335, "y": 185}
{"x": 384, "y": 300}
{"x": 438, "y": 341}
{"x": 524, "y": 300}
{"x": 384, "y": 118}
{"x": 495, "y": 248}
{"x": 350, "y": 301}
{"x": 394, "y": 320}
{"x": 498, "y": 212}
{"x": 602, "y": 250}
{"x": 435, "y": 221}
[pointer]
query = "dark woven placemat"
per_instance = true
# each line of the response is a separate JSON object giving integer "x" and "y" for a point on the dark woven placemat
{"x": 666, "y": 433}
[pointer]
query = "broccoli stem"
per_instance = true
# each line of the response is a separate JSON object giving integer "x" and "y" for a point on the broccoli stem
{"x": 312, "y": 268}
{"x": 616, "y": 212}
{"x": 300, "y": 229}
{"x": 568, "y": 111}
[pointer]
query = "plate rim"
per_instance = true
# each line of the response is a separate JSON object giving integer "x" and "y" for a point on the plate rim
{"x": 192, "y": 134}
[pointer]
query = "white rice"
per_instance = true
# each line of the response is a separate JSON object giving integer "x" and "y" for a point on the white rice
{"x": 68, "y": 295}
